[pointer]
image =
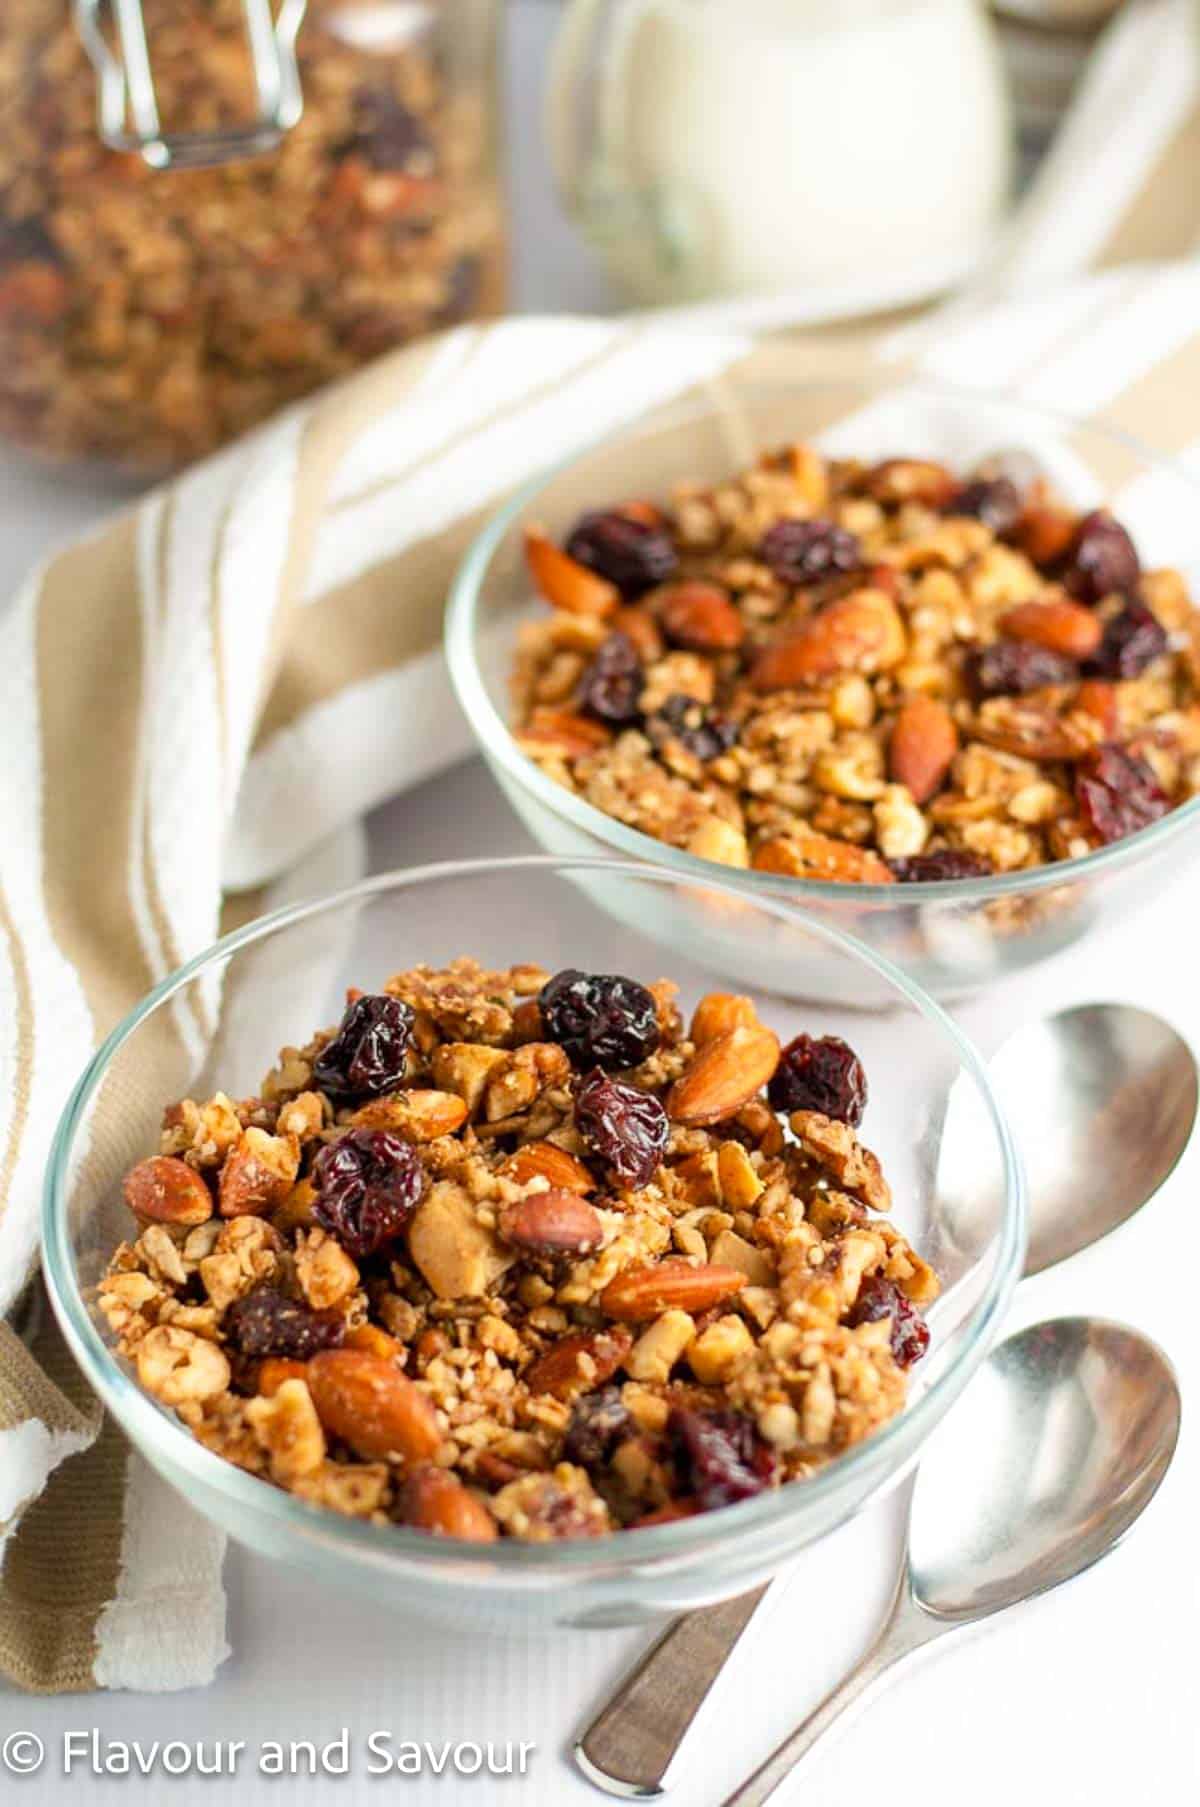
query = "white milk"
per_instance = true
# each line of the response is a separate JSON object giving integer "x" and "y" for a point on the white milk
{"x": 773, "y": 144}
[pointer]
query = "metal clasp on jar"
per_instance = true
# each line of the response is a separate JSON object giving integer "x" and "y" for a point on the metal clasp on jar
{"x": 127, "y": 105}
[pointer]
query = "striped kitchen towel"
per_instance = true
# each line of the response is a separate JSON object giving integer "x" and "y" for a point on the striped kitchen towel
{"x": 199, "y": 703}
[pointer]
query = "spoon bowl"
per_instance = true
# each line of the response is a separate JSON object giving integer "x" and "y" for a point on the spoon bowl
{"x": 1101, "y": 1100}
{"x": 1070, "y": 1428}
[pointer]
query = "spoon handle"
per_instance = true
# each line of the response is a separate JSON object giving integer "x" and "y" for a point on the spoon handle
{"x": 905, "y": 1630}
{"x": 630, "y": 1745}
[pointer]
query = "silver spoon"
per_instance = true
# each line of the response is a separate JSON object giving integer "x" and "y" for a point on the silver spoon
{"x": 1102, "y": 1099}
{"x": 1056, "y": 1449}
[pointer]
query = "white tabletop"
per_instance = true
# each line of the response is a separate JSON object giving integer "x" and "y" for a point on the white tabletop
{"x": 1088, "y": 1697}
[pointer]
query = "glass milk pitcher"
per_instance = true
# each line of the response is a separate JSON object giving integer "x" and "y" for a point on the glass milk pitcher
{"x": 713, "y": 148}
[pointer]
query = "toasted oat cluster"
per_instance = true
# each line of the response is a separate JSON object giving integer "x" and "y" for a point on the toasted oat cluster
{"x": 145, "y": 316}
{"x": 515, "y": 1255}
{"x": 871, "y": 674}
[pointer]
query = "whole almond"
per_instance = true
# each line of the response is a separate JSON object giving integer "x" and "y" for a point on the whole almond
{"x": 166, "y": 1190}
{"x": 1060, "y": 625}
{"x": 579, "y": 1363}
{"x": 433, "y": 1500}
{"x": 1045, "y": 533}
{"x": 701, "y": 617}
{"x": 552, "y": 1223}
{"x": 415, "y": 1116}
{"x": 818, "y": 856}
{"x": 860, "y": 632}
{"x": 674, "y": 1285}
{"x": 546, "y": 1161}
{"x": 562, "y": 731}
{"x": 718, "y": 1012}
{"x": 923, "y": 743}
{"x": 372, "y": 1406}
{"x": 725, "y": 1074}
{"x": 564, "y": 582}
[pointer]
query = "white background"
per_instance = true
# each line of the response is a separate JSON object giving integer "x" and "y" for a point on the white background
{"x": 1089, "y": 1697}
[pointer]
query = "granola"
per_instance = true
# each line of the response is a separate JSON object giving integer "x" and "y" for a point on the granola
{"x": 507, "y": 1254}
{"x": 862, "y": 673}
{"x": 148, "y": 315}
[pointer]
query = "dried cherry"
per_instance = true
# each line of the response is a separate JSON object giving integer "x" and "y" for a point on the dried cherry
{"x": 367, "y": 1056}
{"x": 820, "y": 1074}
{"x": 367, "y": 1187}
{"x": 600, "y": 1019}
{"x": 628, "y": 1129}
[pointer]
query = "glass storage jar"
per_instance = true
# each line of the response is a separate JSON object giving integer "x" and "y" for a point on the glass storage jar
{"x": 210, "y": 207}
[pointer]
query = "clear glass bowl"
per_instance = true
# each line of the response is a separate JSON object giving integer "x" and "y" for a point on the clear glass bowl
{"x": 274, "y": 982}
{"x": 953, "y": 937}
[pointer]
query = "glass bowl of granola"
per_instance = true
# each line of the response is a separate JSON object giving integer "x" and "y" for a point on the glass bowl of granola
{"x": 544, "y": 1266}
{"x": 925, "y": 662}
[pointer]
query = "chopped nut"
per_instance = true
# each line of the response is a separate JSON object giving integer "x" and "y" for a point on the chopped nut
{"x": 289, "y": 1430}
{"x": 719, "y": 1351}
{"x": 660, "y": 1347}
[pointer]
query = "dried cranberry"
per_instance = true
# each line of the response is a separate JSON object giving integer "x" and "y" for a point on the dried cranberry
{"x": 635, "y": 555}
{"x": 804, "y": 552}
{"x": 628, "y": 1129}
{"x": 367, "y": 1055}
{"x": 721, "y": 1457}
{"x": 601, "y": 1019}
{"x": 943, "y": 863}
{"x": 882, "y": 1298}
{"x": 612, "y": 683}
{"x": 1132, "y": 640}
{"x": 1013, "y": 667}
{"x": 386, "y": 134}
{"x": 368, "y": 1185}
{"x": 1118, "y": 793}
{"x": 1102, "y": 560}
{"x": 682, "y": 718}
{"x": 820, "y": 1074}
{"x": 996, "y": 501}
{"x": 267, "y": 1322}
{"x": 599, "y": 1421}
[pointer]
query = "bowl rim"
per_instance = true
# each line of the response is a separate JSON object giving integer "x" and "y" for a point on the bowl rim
{"x": 495, "y": 736}
{"x": 151, "y": 1427}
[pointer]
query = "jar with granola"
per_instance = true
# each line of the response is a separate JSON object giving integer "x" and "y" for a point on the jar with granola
{"x": 210, "y": 207}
